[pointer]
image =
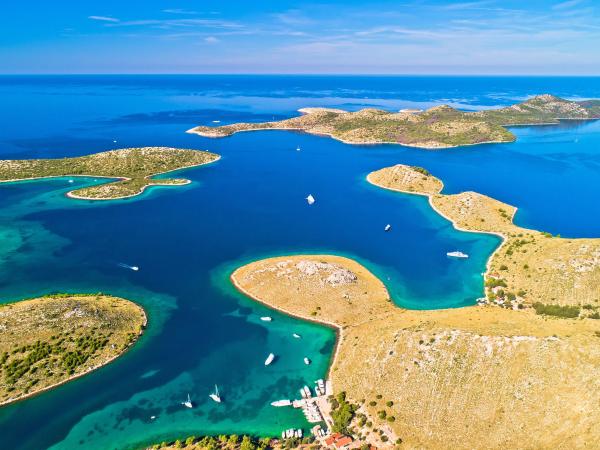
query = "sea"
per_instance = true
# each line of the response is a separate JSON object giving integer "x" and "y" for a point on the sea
{"x": 251, "y": 205}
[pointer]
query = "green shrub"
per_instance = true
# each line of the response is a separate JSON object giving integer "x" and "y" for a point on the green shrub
{"x": 556, "y": 310}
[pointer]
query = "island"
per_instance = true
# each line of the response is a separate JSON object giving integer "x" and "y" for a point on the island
{"x": 50, "y": 340}
{"x": 513, "y": 378}
{"x": 436, "y": 128}
{"x": 130, "y": 169}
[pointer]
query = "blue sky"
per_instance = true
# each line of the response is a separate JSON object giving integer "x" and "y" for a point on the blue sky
{"x": 259, "y": 36}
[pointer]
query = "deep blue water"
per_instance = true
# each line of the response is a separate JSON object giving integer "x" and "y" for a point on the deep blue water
{"x": 250, "y": 205}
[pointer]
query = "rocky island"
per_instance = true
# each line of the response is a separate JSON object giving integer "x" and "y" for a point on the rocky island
{"x": 437, "y": 127}
{"x": 406, "y": 373}
{"x": 133, "y": 169}
{"x": 50, "y": 340}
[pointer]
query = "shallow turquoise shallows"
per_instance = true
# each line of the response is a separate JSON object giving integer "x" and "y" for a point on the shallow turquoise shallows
{"x": 247, "y": 206}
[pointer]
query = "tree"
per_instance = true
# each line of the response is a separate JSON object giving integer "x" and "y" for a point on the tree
{"x": 247, "y": 444}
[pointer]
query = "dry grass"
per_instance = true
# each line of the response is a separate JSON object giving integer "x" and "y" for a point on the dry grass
{"x": 534, "y": 266}
{"x": 438, "y": 127}
{"x": 466, "y": 378}
{"x": 132, "y": 167}
{"x": 47, "y": 341}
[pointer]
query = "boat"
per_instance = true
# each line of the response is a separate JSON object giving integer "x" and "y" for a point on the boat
{"x": 283, "y": 434}
{"x": 215, "y": 395}
{"x": 296, "y": 335}
{"x": 70, "y": 181}
{"x": 388, "y": 227}
{"x": 216, "y": 121}
{"x": 188, "y": 403}
{"x": 279, "y": 403}
{"x": 269, "y": 359}
{"x": 457, "y": 254}
{"x": 298, "y": 148}
{"x": 306, "y": 361}
{"x": 266, "y": 319}
{"x": 136, "y": 268}
{"x": 152, "y": 417}
{"x": 307, "y": 392}
{"x": 310, "y": 199}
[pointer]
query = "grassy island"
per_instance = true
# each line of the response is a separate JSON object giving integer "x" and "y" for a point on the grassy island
{"x": 47, "y": 341}
{"x": 132, "y": 168}
{"x": 453, "y": 378}
{"x": 530, "y": 267}
{"x": 438, "y": 127}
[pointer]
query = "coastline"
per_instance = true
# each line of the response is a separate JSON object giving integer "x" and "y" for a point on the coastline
{"x": 339, "y": 332}
{"x": 148, "y": 177}
{"x": 302, "y": 130}
{"x": 502, "y": 236}
{"x": 85, "y": 372}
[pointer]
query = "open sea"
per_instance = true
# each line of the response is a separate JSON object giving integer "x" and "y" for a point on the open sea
{"x": 247, "y": 206}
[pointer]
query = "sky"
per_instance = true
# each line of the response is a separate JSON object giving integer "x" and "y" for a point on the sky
{"x": 542, "y": 37}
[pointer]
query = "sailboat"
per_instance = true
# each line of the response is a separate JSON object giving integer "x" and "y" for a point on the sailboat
{"x": 188, "y": 403}
{"x": 310, "y": 199}
{"x": 215, "y": 395}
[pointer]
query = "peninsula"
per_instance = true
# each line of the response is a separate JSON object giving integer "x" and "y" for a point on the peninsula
{"x": 131, "y": 169}
{"x": 441, "y": 379}
{"x": 47, "y": 341}
{"x": 435, "y": 128}
{"x": 530, "y": 268}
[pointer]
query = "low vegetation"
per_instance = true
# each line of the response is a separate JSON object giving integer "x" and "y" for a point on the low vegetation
{"x": 567, "y": 311}
{"x": 132, "y": 169}
{"x": 48, "y": 340}
{"x": 530, "y": 266}
{"x": 513, "y": 374}
{"x": 438, "y": 127}
{"x": 234, "y": 442}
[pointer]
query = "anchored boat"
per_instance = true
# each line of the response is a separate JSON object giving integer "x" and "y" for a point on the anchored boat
{"x": 188, "y": 403}
{"x": 457, "y": 254}
{"x": 215, "y": 395}
{"x": 269, "y": 359}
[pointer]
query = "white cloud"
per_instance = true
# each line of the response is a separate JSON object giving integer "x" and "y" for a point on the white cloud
{"x": 211, "y": 40}
{"x": 566, "y": 5}
{"x": 179, "y": 11}
{"x": 103, "y": 18}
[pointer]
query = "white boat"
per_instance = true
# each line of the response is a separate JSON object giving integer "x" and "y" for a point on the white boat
{"x": 136, "y": 268}
{"x": 152, "y": 417}
{"x": 70, "y": 181}
{"x": 269, "y": 359}
{"x": 306, "y": 361}
{"x": 298, "y": 148}
{"x": 388, "y": 227}
{"x": 215, "y": 395}
{"x": 296, "y": 335}
{"x": 310, "y": 199}
{"x": 307, "y": 392}
{"x": 266, "y": 319}
{"x": 280, "y": 403}
{"x": 188, "y": 403}
{"x": 457, "y": 254}
{"x": 216, "y": 121}
{"x": 283, "y": 434}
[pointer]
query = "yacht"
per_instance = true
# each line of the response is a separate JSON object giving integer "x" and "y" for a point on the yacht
{"x": 296, "y": 335}
{"x": 215, "y": 395}
{"x": 388, "y": 227}
{"x": 306, "y": 361}
{"x": 457, "y": 254}
{"x": 266, "y": 319}
{"x": 136, "y": 268}
{"x": 188, "y": 403}
{"x": 216, "y": 121}
{"x": 310, "y": 199}
{"x": 280, "y": 403}
{"x": 269, "y": 359}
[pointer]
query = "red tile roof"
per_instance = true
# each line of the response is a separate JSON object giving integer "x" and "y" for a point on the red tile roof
{"x": 343, "y": 442}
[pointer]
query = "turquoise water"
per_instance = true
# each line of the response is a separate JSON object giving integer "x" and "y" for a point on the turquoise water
{"x": 249, "y": 205}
